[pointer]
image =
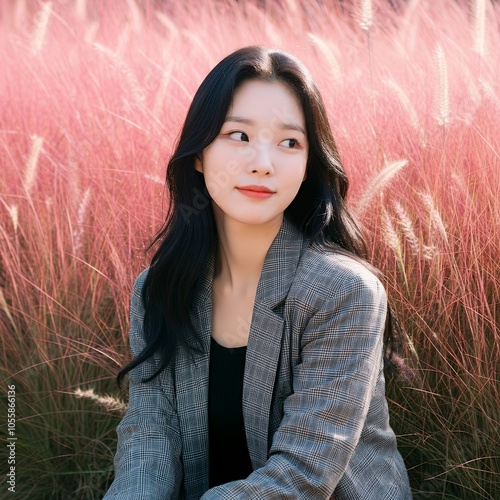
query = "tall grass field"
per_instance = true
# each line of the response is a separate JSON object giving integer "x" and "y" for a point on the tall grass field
{"x": 92, "y": 97}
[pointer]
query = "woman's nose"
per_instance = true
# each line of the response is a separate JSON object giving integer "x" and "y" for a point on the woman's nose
{"x": 261, "y": 162}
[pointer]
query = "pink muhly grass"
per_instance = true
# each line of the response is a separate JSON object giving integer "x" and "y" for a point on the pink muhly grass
{"x": 93, "y": 95}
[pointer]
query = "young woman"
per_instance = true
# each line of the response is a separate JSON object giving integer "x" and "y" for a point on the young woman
{"x": 258, "y": 330}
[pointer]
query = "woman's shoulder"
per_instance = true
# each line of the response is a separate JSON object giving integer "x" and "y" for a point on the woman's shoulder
{"x": 328, "y": 274}
{"x": 138, "y": 286}
{"x": 140, "y": 279}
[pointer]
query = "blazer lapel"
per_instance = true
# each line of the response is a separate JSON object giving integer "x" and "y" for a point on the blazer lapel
{"x": 191, "y": 383}
{"x": 266, "y": 332}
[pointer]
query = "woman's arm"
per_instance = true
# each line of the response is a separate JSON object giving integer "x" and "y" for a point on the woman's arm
{"x": 147, "y": 460}
{"x": 334, "y": 389}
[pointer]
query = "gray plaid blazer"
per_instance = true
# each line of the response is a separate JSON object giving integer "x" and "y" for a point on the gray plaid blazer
{"x": 314, "y": 404}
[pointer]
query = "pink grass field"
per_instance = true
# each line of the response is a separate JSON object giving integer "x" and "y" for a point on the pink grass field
{"x": 92, "y": 96}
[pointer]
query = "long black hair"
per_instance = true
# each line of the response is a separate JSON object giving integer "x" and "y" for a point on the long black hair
{"x": 184, "y": 241}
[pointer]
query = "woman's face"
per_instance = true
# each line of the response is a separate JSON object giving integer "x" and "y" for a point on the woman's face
{"x": 255, "y": 166}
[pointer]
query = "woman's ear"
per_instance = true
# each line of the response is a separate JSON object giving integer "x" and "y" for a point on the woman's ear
{"x": 198, "y": 165}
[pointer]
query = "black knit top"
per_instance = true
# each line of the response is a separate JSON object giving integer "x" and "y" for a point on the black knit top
{"x": 229, "y": 459}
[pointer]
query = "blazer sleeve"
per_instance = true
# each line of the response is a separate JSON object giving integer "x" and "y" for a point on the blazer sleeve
{"x": 147, "y": 460}
{"x": 333, "y": 384}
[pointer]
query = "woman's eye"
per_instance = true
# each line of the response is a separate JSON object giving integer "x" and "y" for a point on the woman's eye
{"x": 290, "y": 143}
{"x": 239, "y": 136}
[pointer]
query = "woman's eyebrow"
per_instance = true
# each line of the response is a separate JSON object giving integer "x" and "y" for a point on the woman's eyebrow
{"x": 281, "y": 125}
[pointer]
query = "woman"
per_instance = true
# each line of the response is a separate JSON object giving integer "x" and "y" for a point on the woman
{"x": 258, "y": 330}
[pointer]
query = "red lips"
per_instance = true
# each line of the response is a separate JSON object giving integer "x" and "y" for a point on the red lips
{"x": 259, "y": 189}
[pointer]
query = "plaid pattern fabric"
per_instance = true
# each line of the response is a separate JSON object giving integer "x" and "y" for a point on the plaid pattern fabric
{"x": 314, "y": 404}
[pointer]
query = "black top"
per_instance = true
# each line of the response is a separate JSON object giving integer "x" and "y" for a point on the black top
{"x": 229, "y": 458}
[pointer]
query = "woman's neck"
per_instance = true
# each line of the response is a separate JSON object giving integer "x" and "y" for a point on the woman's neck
{"x": 241, "y": 252}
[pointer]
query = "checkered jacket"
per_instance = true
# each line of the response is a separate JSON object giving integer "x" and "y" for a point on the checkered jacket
{"x": 314, "y": 406}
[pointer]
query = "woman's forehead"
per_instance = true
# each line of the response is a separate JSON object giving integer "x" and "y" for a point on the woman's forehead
{"x": 256, "y": 100}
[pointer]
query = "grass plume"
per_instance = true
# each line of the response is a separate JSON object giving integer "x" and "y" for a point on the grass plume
{"x": 32, "y": 163}
{"x": 441, "y": 88}
{"x": 378, "y": 183}
{"x": 110, "y": 403}
{"x": 365, "y": 14}
{"x": 478, "y": 23}
{"x": 41, "y": 27}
